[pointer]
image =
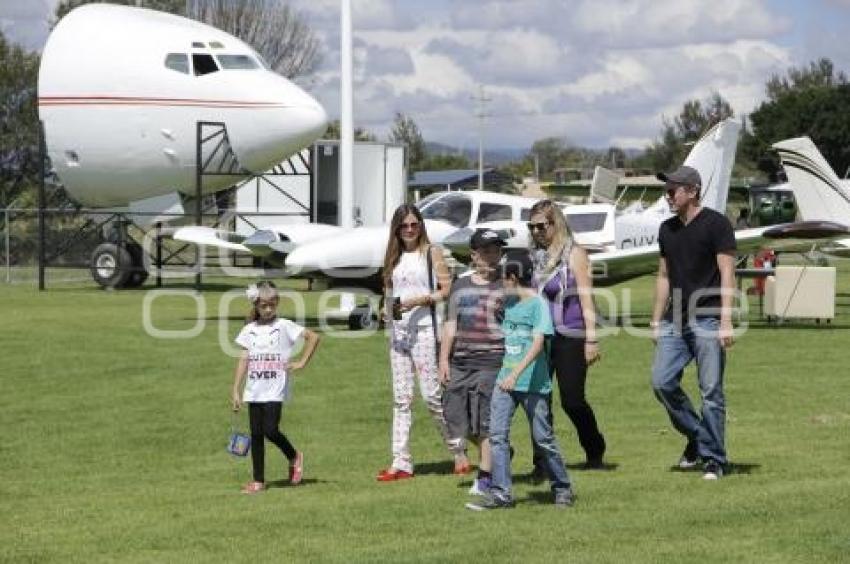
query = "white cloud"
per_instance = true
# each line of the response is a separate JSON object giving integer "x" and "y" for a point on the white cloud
{"x": 595, "y": 71}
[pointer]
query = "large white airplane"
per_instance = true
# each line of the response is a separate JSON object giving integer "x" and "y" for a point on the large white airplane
{"x": 819, "y": 193}
{"x": 121, "y": 90}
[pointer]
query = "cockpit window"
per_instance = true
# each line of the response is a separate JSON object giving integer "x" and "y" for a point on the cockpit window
{"x": 236, "y": 62}
{"x": 203, "y": 64}
{"x": 216, "y": 45}
{"x": 178, "y": 62}
{"x": 493, "y": 212}
{"x": 453, "y": 208}
{"x": 197, "y": 45}
{"x": 584, "y": 222}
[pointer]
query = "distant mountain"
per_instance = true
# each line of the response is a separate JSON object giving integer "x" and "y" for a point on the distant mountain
{"x": 491, "y": 157}
{"x": 498, "y": 157}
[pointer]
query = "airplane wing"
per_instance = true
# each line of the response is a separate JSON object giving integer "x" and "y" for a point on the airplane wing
{"x": 611, "y": 267}
{"x": 615, "y": 266}
{"x": 274, "y": 240}
{"x": 211, "y": 237}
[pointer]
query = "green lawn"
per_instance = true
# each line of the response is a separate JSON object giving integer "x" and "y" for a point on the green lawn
{"x": 113, "y": 450}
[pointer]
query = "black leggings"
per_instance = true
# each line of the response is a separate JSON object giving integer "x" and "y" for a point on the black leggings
{"x": 567, "y": 360}
{"x": 265, "y": 418}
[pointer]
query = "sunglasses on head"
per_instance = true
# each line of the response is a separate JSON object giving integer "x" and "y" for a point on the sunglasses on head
{"x": 539, "y": 226}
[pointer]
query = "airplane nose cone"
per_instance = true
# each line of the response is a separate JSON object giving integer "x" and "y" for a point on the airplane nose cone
{"x": 271, "y": 135}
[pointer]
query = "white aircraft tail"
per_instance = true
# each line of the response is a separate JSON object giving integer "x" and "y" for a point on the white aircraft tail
{"x": 819, "y": 193}
{"x": 713, "y": 156}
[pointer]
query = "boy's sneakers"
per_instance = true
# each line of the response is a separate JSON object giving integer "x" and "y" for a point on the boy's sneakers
{"x": 712, "y": 470}
{"x": 690, "y": 456}
{"x": 480, "y": 486}
{"x": 564, "y": 498}
{"x": 296, "y": 469}
{"x": 489, "y": 502}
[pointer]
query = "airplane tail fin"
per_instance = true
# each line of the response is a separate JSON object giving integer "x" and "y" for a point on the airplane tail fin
{"x": 818, "y": 191}
{"x": 713, "y": 156}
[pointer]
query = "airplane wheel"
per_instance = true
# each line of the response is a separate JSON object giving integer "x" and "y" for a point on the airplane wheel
{"x": 362, "y": 318}
{"x": 111, "y": 265}
{"x": 138, "y": 274}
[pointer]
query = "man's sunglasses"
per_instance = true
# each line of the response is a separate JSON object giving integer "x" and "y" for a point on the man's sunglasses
{"x": 540, "y": 226}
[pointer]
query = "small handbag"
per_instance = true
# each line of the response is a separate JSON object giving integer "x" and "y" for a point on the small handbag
{"x": 239, "y": 443}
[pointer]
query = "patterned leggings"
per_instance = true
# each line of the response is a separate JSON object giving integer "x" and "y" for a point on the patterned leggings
{"x": 421, "y": 361}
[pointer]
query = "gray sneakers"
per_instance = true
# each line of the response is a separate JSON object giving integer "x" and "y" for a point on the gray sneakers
{"x": 564, "y": 498}
{"x": 489, "y": 502}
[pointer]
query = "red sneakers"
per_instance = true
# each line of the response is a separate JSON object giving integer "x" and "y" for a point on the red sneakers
{"x": 391, "y": 475}
{"x": 296, "y": 469}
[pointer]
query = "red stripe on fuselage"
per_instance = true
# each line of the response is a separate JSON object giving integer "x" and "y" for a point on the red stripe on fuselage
{"x": 146, "y": 101}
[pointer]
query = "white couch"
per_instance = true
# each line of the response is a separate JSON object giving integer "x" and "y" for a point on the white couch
{"x": 800, "y": 292}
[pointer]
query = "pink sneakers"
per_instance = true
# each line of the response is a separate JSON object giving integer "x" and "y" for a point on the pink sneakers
{"x": 253, "y": 487}
{"x": 296, "y": 469}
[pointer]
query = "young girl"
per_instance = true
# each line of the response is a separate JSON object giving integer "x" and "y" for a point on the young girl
{"x": 268, "y": 342}
{"x": 524, "y": 380}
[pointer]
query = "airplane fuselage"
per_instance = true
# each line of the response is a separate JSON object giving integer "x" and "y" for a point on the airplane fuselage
{"x": 121, "y": 91}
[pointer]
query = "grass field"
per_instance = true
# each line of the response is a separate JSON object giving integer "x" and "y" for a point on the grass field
{"x": 113, "y": 450}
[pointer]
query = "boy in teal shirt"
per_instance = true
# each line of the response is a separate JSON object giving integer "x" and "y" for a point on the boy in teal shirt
{"x": 523, "y": 380}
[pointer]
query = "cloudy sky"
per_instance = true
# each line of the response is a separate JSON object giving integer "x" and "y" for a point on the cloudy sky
{"x": 597, "y": 72}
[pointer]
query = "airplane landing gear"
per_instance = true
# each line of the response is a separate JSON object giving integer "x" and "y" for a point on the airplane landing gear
{"x": 363, "y": 318}
{"x": 119, "y": 264}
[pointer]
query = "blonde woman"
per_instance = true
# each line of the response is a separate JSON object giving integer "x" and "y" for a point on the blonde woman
{"x": 563, "y": 277}
{"x": 411, "y": 289}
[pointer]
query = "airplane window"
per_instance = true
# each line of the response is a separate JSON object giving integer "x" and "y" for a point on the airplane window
{"x": 197, "y": 45}
{"x": 236, "y": 62}
{"x": 178, "y": 62}
{"x": 584, "y": 222}
{"x": 525, "y": 214}
{"x": 204, "y": 64}
{"x": 493, "y": 212}
{"x": 216, "y": 45}
{"x": 452, "y": 208}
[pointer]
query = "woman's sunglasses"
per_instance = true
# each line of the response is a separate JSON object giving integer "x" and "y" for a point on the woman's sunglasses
{"x": 540, "y": 226}
{"x": 413, "y": 225}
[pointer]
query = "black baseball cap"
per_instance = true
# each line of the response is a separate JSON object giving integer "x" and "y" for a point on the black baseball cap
{"x": 484, "y": 237}
{"x": 683, "y": 175}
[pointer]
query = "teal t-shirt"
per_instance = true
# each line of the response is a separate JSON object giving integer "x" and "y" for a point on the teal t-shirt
{"x": 524, "y": 319}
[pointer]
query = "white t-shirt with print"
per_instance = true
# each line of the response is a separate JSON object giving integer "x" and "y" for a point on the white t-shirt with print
{"x": 269, "y": 347}
{"x": 410, "y": 280}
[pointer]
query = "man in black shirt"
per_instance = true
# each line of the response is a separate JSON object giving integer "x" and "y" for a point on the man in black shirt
{"x": 691, "y": 319}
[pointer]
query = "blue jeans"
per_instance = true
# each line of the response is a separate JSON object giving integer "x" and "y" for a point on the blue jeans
{"x": 676, "y": 349}
{"x": 536, "y": 406}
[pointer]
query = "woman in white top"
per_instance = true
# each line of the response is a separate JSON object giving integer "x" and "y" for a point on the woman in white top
{"x": 409, "y": 297}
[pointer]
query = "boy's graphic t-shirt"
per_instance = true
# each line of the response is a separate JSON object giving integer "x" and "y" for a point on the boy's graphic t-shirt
{"x": 523, "y": 320}
{"x": 269, "y": 347}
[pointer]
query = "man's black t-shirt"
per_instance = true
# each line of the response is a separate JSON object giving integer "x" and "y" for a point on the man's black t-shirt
{"x": 691, "y": 253}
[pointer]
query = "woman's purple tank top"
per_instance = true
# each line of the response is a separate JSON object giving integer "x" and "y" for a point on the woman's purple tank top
{"x": 566, "y": 314}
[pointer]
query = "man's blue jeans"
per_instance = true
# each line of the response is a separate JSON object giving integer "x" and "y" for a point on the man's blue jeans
{"x": 676, "y": 349}
{"x": 536, "y": 406}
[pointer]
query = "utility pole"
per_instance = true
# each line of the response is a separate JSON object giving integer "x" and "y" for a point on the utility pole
{"x": 481, "y": 101}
